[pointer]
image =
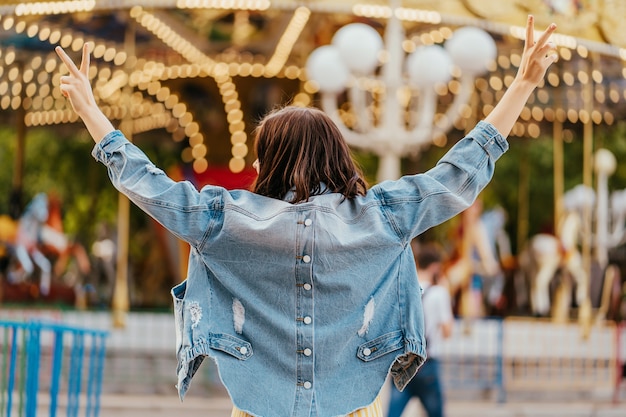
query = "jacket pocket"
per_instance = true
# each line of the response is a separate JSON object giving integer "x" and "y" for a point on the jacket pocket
{"x": 232, "y": 345}
{"x": 380, "y": 346}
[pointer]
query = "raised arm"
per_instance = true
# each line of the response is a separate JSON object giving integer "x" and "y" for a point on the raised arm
{"x": 77, "y": 89}
{"x": 177, "y": 205}
{"x": 536, "y": 59}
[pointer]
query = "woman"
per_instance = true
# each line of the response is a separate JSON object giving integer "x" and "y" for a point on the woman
{"x": 304, "y": 290}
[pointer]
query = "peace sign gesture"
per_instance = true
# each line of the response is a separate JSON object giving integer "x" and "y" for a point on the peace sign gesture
{"x": 536, "y": 58}
{"x": 77, "y": 88}
{"x": 538, "y": 55}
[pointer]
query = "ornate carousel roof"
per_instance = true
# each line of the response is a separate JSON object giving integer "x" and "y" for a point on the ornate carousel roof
{"x": 197, "y": 66}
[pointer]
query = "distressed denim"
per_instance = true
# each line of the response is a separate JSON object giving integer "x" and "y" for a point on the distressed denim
{"x": 305, "y": 308}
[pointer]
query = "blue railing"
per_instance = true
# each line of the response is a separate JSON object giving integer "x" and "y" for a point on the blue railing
{"x": 48, "y": 359}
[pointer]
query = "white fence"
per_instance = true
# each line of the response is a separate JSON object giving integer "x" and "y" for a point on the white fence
{"x": 505, "y": 356}
{"x": 543, "y": 355}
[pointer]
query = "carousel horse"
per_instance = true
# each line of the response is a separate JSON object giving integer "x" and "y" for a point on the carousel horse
{"x": 26, "y": 248}
{"x": 544, "y": 257}
{"x": 38, "y": 238}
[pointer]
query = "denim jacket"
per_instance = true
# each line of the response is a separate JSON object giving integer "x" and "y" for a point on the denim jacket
{"x": 305, "y": 308}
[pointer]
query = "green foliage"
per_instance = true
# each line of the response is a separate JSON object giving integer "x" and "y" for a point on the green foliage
{"x": 7, "y": 156}
{"x": 533, "y": 159}
{"x": 368, "y": 164}
{"x": 614, "y": 139}
{"x": 526, "y": 172}
{"x": 60, "y": 164}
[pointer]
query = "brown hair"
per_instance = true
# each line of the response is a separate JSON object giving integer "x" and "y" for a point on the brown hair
{"x": 301, "y": 148}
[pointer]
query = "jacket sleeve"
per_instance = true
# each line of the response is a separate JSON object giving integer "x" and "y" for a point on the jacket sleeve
{"x": 415, "y": 203}
{"x": 178, "y": 206}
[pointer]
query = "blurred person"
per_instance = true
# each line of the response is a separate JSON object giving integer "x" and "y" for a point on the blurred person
{"x": 304, "y": 289}
{"x": 438, "y": 322}
{"x": 103, "y": 250}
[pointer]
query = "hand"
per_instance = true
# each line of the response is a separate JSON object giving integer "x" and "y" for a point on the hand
{"x": 77, "y": 89}
{"x": 537, "y": 56}
{"x": 536, "y": 59}
{"x": 76, "y": 86}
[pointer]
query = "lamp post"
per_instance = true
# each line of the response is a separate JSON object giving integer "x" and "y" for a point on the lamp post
{"x": 404, "y": 88}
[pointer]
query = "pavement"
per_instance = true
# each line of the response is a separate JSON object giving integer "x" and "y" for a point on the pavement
{"x": 217, "y": 404}
{"x": 220, "y": 406}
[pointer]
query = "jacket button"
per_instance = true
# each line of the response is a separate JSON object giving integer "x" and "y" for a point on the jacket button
{"x": 243, "y": 350}
{"x": 367, "y": 351}
{"x": 307, "y": 385}
{"x": 308, "y": 222}
{"x": 307, "y": 286}
{"x": 307, "y": 352}
{"x": 306, "y": 259}
{"x": 307, "y": 320}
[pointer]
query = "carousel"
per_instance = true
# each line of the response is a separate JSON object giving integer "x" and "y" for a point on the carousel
{"x": 400, "y": 78}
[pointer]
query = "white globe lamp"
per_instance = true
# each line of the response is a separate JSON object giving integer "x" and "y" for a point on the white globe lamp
{"x": 471, "y": 49}
{"x": 327, "y": 69}
{"x": 359, "y": 46}
{"x": 429, "y": 65}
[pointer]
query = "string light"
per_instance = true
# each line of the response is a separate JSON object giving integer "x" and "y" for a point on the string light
{"x": 224, "y": 4}
{"x": 195, "y": 56}
{"x": 34, "y": 84}
{"x": 56, "y": 7}
{"x": 287, "y": 41}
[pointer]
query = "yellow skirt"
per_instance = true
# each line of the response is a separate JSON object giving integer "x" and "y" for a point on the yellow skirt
{"x": 372, "y": 410}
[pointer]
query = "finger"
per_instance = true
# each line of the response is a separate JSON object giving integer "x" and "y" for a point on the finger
{"x": 547, "y": 52}
{"x": 67, "y": 61}
{"x": 84, "y": 64}
{"x": 546, "y": 35}
{"x": 551, "y": 58}
{"x": 548, "y": 48}
{"x": 530, "y": 32}
{"x": 64, "y": 90}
